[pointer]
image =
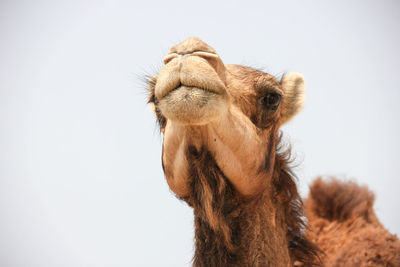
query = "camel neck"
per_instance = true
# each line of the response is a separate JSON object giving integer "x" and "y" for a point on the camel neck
{"x": 265, "y": 231}
{"x": 257, "y": 236}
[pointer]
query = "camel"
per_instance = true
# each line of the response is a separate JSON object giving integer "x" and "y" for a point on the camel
{"x": 222, "y": 154}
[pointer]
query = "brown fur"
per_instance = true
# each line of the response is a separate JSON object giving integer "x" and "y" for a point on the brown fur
{"x": 230, "y": 232}
{"x": 343, "y": 224}
{"x": 224, "y": 161}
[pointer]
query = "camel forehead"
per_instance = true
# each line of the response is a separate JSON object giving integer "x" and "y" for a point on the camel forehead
{"x": 243, "y": 72}
{"x": 250, "y": 79}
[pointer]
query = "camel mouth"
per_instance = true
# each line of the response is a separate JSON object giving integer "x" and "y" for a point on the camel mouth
{"x": 196, "y": 90}
{"x": 199, "y": 81}
{"x": 192, "y": 105}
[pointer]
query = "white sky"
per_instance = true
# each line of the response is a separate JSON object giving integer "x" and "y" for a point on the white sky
{"x": 80, "y": 173}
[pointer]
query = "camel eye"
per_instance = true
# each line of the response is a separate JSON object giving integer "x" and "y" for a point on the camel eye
{"x": 271, "y": 101}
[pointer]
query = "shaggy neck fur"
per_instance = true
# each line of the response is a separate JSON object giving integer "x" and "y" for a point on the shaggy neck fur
{"x": 264, "y": 231}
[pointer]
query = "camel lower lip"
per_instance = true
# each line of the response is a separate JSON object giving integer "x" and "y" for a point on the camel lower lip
{"x": 193, "y": 89}
{"x": 191, "y": 95}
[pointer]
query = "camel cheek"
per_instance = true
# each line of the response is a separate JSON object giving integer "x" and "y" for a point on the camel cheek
{"x": 176, "y": 172}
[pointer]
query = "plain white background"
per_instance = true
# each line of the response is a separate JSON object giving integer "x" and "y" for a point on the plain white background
{"x": 80, "y": 173}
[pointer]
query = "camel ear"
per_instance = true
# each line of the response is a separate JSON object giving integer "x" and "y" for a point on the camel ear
{"x": 293, "y": 95}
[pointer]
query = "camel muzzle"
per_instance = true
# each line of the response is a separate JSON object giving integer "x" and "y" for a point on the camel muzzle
{"x": 191, "y": 86}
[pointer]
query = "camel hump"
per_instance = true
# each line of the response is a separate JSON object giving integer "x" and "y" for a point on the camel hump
{"x": 339, "y": 201}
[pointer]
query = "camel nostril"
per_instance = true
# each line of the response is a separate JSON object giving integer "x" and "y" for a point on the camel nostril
{"x": 191, "y": 45}
{"x": 206, "y": 55}
{"x": 169, "y": 57}
{"x": 203, "y": 54}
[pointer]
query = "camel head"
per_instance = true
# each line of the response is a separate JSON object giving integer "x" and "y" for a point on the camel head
{"x": 231, "y": 111}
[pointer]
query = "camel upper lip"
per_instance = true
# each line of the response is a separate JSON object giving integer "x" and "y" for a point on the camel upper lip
{"x": 193, "y": 72}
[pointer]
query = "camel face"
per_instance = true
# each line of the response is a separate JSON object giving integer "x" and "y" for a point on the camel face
{"x": 195, "y": 87}
{"x": 233, "y": 111}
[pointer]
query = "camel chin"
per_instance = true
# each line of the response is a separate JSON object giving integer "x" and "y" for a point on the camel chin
{"x": 193, "y": 106}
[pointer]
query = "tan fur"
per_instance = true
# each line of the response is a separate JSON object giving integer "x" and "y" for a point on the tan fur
{"x": 293, "y": 86}
{"x": 222, "y": 155}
